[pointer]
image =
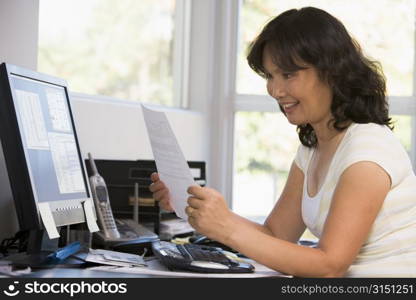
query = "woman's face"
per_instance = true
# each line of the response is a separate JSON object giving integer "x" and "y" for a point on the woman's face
{"x": 301, "y": 94}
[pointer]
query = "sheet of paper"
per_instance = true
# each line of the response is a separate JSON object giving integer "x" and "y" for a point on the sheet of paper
{"x": 170, "y": 161}
{"x": 48, "y": 221}
{"x": 89, "y": 215}
{"x": 114, "y": 258}
{"x": 6, "y": 268}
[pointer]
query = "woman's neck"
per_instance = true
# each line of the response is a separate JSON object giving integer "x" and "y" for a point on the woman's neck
{"x": 327, "y": 135}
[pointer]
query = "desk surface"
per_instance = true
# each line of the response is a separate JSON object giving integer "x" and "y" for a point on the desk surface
{"x": 154, "y": 269}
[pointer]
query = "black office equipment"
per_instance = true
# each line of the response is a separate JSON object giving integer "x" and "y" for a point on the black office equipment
{"x": 134, "y": 238}
{"x": 121, "y": 177}
{"x": 119, "y": 235}
{"x": 197, "y": 258}
{"x": 42, "y": 154}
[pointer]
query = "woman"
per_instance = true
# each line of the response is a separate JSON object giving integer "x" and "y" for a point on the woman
{"x": 351, "y": 183}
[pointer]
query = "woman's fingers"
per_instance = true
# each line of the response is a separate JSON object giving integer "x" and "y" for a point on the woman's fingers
{"x": 154, "y": 176}
{"x": 161, "y": 194}
{"x": 157, "y": 186}
{"x": 196, "y": 191}
{"x": 195, "y": 202}
{"x": 165, "y": 204}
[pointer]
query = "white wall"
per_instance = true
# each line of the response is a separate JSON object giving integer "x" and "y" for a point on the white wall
{"x": 18, "y": 45}
{"x": 112, "y": 129}
{"x": 19, "y": 32}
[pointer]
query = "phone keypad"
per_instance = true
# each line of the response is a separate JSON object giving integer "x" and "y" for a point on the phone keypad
{"x": 109, "y": 219}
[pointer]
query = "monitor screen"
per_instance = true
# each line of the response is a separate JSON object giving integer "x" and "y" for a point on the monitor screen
{"x": 40, "y": 147}
{"x": 48, "y": 139}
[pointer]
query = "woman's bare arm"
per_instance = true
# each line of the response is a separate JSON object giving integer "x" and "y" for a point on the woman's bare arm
{"x": 357, "y": 200}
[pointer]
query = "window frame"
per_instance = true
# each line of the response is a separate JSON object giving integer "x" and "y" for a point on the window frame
{"x": 181, "y": 52}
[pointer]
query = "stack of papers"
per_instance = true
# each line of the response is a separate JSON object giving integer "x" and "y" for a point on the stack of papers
{"x": 172, "y": 227}
{"x": 114, "y": 258}
{"x": 6, "y": 268}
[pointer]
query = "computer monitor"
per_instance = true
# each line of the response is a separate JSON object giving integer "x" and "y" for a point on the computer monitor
{"x": 41, "y": 150}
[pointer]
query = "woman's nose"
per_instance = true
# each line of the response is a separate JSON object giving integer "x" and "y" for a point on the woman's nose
{"x": 276, "y": 89}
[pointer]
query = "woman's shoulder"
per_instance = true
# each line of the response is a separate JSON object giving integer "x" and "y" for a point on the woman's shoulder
{"x": 370, "y": 128}
{"x": 376, "y": 143}
{"x": 370, "y": 133}
{"x": 302, "y": 156}
{"x": 374, "y": 138}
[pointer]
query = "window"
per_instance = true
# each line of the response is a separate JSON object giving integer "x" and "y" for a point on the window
{"x": 265, "y": 144}
{"x": 124, "y": 49}
{"x": 264, "y": 150}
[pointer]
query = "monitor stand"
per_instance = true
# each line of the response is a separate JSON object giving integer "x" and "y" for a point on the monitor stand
{"x": 38, "y": 249}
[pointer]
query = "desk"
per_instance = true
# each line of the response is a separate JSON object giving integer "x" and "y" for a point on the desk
{"x": 153, "y": 270}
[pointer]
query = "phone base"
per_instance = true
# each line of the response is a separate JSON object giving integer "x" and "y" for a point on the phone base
{"x": 138, "y": 246}
{"x": 134, "y": 238}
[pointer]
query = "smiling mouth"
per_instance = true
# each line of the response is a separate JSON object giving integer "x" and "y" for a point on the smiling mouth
{"x": 287, "y": 107}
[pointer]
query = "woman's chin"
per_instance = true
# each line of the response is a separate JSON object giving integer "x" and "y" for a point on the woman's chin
{"x": 294, "y": 121}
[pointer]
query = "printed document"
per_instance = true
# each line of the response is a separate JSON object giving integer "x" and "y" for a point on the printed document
{"x": 170, "y": 162}
{"x": 114, "y": 258}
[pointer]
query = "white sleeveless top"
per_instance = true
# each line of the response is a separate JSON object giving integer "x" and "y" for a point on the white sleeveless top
{"x": 390, "y": 250}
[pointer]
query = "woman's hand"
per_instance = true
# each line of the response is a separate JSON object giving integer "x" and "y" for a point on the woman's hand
{"x": 208, "y": 213}
{"x": 160, "y": 192}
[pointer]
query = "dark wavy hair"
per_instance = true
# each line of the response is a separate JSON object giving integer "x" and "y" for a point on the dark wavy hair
{"x": 313, "y": 36}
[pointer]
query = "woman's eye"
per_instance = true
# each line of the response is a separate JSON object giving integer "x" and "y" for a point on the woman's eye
{"x": 287, "y": 75}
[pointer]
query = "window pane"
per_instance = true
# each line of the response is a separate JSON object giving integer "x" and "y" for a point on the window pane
{"x": 402, "y": 129}
{"x": 265, "y": 146}
{"x": 121, "y": 49}
{"x": 387, "y": 39}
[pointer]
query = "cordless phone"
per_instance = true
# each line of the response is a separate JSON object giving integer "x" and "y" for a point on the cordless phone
{"x": 102, "y": 202}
